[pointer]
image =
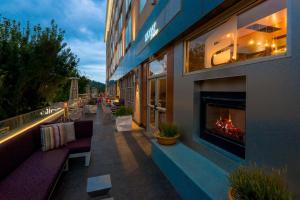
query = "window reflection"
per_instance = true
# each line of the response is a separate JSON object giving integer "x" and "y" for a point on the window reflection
{"x": 162, "y": 87}
{"x": 158, "y": 66}
{"x": 152, "y": 92}
{"x": 259, "y": 32}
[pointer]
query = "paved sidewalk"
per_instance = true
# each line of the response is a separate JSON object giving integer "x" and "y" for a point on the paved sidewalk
{"x": 126, "y": 157}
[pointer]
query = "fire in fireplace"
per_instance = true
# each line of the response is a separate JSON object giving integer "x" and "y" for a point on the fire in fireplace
{"x": 223, "y": 120}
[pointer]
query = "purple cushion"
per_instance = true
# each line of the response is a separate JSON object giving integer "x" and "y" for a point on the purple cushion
{"x": 80, "y": 145}
{"x": 14, "y": 151}
{"x": 35, "y": 177}
{"x": 83, "y": 129}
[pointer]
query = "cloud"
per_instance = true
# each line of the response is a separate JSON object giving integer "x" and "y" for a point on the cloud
{"x": 92, "y": 56}
{"x": 90, "y": 51}
{"x": 94, "y": 72}
{"x": 83, "y": 21}
{"x": 86, "y": 31}
{"x": 85, "y": 10}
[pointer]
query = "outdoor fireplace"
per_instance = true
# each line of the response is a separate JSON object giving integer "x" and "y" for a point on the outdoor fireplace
{"x": 223, "y": 120}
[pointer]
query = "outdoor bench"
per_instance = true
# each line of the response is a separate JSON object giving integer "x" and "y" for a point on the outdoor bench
{"x": 26, "y": 172}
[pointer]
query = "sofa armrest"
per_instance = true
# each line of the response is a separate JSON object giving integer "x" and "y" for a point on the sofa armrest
{"x": 83, "y": 129}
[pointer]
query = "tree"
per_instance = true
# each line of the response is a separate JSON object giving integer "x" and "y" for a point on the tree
{"x": 98, "y": 85}
{"x": 35, "y": 64}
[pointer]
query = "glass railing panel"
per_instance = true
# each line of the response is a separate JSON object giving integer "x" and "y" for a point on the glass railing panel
{"x": 13, "y": 124}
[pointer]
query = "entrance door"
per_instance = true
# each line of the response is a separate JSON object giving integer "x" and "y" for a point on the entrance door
{"x": 157, "y": 102}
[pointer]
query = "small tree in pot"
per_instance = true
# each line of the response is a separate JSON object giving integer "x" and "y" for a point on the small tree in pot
{"x": 124, "y": 119}
{"x": 167, "y": 134}
{"x": 254, "y": 183}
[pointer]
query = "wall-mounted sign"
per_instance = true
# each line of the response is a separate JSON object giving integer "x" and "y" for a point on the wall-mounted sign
{"x": 151, "y": 33}
{"x": 166, "y": 15}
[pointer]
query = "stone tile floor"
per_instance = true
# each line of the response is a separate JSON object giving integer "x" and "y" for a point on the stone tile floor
{"x": 123, "y": 155}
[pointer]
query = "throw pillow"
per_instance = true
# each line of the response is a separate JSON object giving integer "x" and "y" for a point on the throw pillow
{"x": 52, "y": 136}
{"x": 70, "y": 131}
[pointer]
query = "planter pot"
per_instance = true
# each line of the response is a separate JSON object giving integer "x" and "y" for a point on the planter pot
{"x": 124, "y": 123}
{"x": 166, "y": 140}
{"x": 231, "y": 195}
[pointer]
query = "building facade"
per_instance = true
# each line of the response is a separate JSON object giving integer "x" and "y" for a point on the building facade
{"x": 225, "y": 71}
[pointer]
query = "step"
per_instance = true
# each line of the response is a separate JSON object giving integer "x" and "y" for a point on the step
{"x": 192, "y": 175}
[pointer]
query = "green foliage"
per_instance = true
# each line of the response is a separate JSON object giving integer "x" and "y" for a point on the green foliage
{"x": 254, "y": 183}
{"x": 82, "y": 83}
{"x": 35, "y": 64}
{"x": 168, "y": 130}
{"x": 123, "y": 111}
{"x": 98, "y": 85}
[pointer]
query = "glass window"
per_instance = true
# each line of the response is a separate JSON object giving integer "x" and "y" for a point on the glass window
{"x": 128, "y": 33}
{"x": 162, "y": 89}
{"x": 152, "y": 92}
{"x": 195, "y": 55}
{"x": 120, "y": 23}
{"x": 158, "y": 66}
{"x": 142, "y": 4}
{"x": 128, "y": 2}
{"x": 120, "y": 49}
{"x": 258, "y": 32}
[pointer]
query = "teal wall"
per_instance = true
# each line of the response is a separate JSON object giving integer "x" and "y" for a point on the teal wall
{"x": 191, "y": 11}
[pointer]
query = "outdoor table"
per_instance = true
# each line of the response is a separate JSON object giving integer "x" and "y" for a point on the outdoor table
{"x": 98, "y": 185}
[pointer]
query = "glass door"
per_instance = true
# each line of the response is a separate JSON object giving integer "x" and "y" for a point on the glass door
{"x": 156, "y": 102}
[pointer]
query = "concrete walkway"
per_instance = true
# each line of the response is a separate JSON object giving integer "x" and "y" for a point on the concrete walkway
{"x": 126, "y": 157}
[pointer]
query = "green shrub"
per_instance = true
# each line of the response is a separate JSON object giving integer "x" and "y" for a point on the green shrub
{"x": 123, "y": 111}
{"x": 254, "y": 183}
{"x": 168, "y": 130}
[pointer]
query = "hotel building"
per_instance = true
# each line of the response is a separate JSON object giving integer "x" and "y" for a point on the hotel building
{"x": 225, "y": 71}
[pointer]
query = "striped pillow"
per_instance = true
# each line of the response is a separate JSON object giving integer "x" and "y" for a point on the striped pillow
{"x": 53, "y": 136}
{"x": 69, "y": 131}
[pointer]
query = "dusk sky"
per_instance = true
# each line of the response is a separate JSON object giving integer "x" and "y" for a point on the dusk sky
{"x": 83, "y": 21}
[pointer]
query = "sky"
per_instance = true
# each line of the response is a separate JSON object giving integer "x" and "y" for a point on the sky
{"x": 82, "y": 20}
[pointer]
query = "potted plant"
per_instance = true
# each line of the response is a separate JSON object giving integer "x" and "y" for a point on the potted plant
{"x": 254, "y": 183}
{"x": 167, "y": 134}
{"x": 124, "y": 119}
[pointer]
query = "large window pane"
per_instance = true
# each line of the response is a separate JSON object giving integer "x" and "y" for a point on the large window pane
{"x": 158, "y": 66}
{"x": 152, "y": 92}
{"x": 128, "y": 2}
{"x": 264, "y": 37}
{"x": 258, "y": 32}
{"x": 142, "y": 4}
{"x": 195, "y": 54}
{"x": 162, "y": 87}
{"x": 128, "y": 33}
